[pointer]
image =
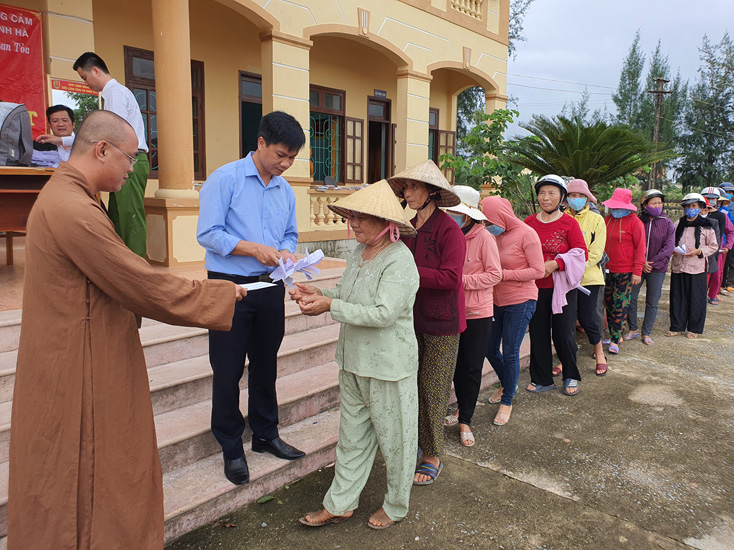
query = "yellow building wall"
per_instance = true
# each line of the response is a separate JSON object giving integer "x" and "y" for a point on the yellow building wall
{"x": 347, "y": 65}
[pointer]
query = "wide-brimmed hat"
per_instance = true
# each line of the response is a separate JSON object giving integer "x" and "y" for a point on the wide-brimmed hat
{"x": 428, "y": 173}
{"x": 580, "y": 186}
{"x": 621, "y": 198}
{"x": 469, "y": 202}
{"x": 377, "y": 200}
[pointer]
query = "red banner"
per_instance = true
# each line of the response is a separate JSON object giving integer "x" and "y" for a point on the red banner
{"x": 71, "y": 86}
{"x": 22, "y": 77}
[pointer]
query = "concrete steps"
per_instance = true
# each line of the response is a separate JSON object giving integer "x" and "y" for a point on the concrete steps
{"x": 196, "y": 490}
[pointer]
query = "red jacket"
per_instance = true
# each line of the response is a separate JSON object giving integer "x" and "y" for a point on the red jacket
{"x": 626, "y": 244}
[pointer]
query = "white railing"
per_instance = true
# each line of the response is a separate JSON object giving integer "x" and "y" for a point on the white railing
{"x": 320, "y": 217}
{"x": 472, "y": 8}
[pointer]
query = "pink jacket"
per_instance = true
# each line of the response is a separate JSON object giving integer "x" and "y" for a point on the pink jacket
{"x": 481, "y": 272}
{"x": 568, "y": 279}
{"x": 520, "y": 253}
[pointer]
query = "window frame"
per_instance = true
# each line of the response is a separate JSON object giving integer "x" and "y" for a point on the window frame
{"x": 321, "y": 109}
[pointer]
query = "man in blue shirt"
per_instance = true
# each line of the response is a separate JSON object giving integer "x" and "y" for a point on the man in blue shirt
{"x": 247, "y": 221}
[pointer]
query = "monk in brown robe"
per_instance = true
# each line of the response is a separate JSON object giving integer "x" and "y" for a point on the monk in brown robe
{"x": 84, "y": 465}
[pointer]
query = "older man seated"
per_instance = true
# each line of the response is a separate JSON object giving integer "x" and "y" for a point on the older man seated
{"x": 50, "y": 149}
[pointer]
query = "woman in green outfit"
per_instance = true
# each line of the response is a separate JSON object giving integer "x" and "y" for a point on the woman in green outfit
{"x": 377, "y": 354}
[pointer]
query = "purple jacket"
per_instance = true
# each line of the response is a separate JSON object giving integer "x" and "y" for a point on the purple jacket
{"x": 660, "y": 238}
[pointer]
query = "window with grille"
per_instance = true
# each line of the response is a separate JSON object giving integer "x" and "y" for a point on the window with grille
{"x": 326, "y": 127}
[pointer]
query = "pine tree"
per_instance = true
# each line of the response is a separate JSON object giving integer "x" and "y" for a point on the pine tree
{"x": 628, "y": 95}
{"x": 708, "y": 141}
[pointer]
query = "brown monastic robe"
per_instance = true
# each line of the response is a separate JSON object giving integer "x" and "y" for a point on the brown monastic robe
{"x": 84, "y": 465}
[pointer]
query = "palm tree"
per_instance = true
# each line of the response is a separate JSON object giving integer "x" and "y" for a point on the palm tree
{"x": 595, "y": 152}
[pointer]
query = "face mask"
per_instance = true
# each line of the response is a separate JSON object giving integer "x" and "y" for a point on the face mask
{"x": 458, "y": 218}
{"x": 620, "y": 212}
{"x": 692, "y": 212}
{"x": 495, "y": 230}
{"x": 654, "y": 211}
{"x": 577, "y": 204}
{"x": 727, "y": 196}
{"x": 705, "y": 215}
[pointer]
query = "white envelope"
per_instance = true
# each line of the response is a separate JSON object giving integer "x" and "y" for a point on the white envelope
{"x": 257, "y": 285}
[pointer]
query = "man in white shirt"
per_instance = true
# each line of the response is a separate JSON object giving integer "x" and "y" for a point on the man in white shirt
{"x": 126, "y": 208}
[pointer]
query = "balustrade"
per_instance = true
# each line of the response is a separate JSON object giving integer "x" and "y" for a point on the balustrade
{"x": 472, "y": 8}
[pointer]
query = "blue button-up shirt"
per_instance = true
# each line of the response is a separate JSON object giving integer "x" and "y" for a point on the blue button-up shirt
{"x": 235, "y": 205}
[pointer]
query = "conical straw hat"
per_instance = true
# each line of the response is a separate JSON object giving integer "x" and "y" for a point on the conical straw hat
{"x": 376, "y": 200}
{"x": 428, "y": 173}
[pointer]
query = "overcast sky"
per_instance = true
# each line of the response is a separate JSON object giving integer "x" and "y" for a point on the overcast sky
{"x": 584, "y": 42}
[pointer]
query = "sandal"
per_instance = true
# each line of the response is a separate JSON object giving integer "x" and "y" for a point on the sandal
{"x": 614, "y": 348}
{"x": 570, "y": 383}
{"x": 467, "y": 439}
{"x": 557, "y": 370}
{"x": 428, "y": 469}
{"x": 632, "y": 335}
{"x": 503, "y": 417}
{"x": 493, "y": 400}
{"x": 647, "y": 340}
{"x": 384, "y": 523}
{"x": 692, "y": 335}
{"x": 672, "y": 333}
{"x": 537, "y": 388}
{"x": 451, "y": 420}
{"x": 321, "y": 522}
{"x": 601, "y": 369}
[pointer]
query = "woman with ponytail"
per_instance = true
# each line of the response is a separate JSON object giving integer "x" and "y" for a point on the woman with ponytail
{"x": 439, "y": 251}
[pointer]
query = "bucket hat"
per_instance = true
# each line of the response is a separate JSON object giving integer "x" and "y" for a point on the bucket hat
{"x": 580, "y": 186}
{"x": 621, "y": 198}
{"x": 469, "y": 202}
{"x": 376, "y": 200}
{"x": 428, "y": 173}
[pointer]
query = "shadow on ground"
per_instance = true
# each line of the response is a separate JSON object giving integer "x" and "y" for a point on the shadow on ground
{"x": 642, "y": 459}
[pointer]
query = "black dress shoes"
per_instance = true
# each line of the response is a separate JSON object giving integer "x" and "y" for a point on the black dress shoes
{"x": 236, "y": 471}
{"x": 276, "y": 446}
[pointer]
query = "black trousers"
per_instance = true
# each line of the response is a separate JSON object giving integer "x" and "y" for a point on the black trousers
{"x": 688, "y": 295}
{"x": 562, "y": 327}
{"x": 257, "y": 331}
{"x": 473, "y": 344}
{"x": 588, "y": 314}
{"x": 728, "y": 276}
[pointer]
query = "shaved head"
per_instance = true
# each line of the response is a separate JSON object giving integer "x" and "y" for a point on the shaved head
{"x": 98, "y": 126}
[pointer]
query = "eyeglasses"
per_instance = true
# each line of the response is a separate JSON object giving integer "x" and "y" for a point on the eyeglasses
{"x": 133, "y": 160}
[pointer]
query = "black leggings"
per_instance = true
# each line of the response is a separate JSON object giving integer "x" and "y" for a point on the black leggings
{"x": 469, "y": 364}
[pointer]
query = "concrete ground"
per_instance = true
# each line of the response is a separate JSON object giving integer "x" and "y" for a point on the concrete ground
{"x": 642, "y": 459}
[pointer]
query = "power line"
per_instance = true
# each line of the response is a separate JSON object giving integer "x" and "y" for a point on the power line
{"x": 708, "y": 103}
{"x": 557, "y": 90}
{"x": 561, "y": 81}
{"x": 699, "y": 130}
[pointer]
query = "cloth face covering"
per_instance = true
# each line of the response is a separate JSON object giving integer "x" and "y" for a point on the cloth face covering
{"x": 458, "y": 218}
{"x": 692, "y": 212}
{"x": 620, "y": 212}
{"x": 654, "y": 211}
{"x": 495, "y": 230}
{"x": 578, "y": 203}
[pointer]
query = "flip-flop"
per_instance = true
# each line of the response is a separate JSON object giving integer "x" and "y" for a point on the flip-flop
{"x": 692, "y": 335}
{"x": 540, "y": 389}
{"x": 632, "y": 335}
{"x": 332, "y": 519}
{"x": 614, "y": 348}
{"x": 556, "y": 371}
{"x": 606, "y": 341}
{"x": 428, "y": 469}
{"x": 492, "y": 401}
{"x": 601, "y": 369}
{"x": 672, "y": 333}
{"x": 570, "y": 383}
{"x": 383, "y": 526}
{"x": 647, "y": 340}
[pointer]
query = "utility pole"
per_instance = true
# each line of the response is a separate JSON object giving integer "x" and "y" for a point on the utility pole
{"x": 658, "y": 91}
